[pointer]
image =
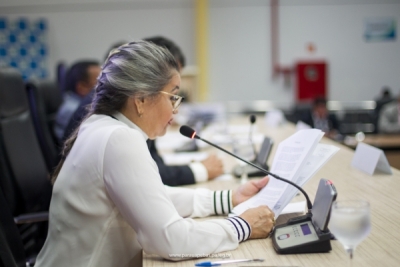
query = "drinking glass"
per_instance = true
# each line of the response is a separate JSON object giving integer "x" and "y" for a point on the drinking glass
{"x": 243, "y": 148}
{"x": 350, "y": 223}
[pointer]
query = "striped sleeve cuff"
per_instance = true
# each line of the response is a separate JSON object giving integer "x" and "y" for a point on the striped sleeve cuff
{"x": 222, "y": 202}
{"x": 243, "y": 229}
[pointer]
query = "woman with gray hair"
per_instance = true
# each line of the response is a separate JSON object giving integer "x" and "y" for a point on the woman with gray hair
{"x": 108, "y": 199}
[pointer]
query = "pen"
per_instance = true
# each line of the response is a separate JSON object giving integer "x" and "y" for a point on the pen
{"x": 217, "y": 263}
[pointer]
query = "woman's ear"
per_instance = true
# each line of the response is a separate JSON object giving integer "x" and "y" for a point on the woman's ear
{"x": 139, "y": 103}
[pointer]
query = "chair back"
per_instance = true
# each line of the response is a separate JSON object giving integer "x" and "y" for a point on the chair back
{"x": 21, "y": 148}
{"x": 61, "y": 71}
{"x": 44, "y": 100}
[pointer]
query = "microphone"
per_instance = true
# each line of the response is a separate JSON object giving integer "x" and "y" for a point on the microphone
{"x": 252, "y": 121}
{"x": 189, "y": 132}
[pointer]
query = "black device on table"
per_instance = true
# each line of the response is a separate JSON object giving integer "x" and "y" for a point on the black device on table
{"x": 308, "y": 233}
{"x": 260, "y": 160}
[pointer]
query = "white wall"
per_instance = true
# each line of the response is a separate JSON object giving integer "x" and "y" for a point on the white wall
{"x": 85, "y": 29}
{"x": 239, "y": 39}
{"x": 240, "y": 48}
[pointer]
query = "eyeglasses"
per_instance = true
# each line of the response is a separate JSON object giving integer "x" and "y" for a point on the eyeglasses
{"x": 176, "y": 100}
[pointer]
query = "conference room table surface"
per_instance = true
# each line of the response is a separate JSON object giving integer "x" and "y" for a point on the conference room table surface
{"x": 380, "y": 248}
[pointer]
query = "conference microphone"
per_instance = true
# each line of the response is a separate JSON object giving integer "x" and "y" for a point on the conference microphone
{"x": 189, "y": 132}
{"x": 252, "y": 121}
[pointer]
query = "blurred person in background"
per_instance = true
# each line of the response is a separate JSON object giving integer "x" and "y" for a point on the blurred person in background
{"x": 384, "y": 98}
{"x": 320, "y": 118}
{"x": 389, "y": 117}
{"x": 80, "y": 79}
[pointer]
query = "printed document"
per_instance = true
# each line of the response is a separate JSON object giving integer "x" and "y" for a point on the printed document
{"x": 297, "y": 159}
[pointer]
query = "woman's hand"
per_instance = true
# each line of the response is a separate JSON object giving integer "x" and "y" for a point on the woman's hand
{"x": 247, "y": 190}
{"x": 261, "y": 221}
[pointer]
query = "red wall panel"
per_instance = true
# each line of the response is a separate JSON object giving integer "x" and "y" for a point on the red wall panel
{"x": 311, "y": 79}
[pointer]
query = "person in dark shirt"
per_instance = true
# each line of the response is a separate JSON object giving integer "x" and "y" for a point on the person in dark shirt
{"x": 194, "y": 172}
{"x": 80, "y": 80}
{"x": 320, "y": 118}
{"x": 389, "y": 117}
{"x": 384, "y": 98}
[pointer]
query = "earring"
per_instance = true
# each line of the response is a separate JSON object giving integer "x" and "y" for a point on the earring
{"x": 140, "y": 114}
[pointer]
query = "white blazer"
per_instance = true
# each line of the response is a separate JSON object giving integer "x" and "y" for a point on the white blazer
{"x": 109, "y": 203}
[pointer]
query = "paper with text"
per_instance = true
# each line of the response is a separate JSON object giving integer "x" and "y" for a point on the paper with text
{"x": 297, "y": 159}
{"x": 319, "y": 157}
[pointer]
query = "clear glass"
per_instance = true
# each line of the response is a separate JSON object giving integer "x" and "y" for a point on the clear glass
{"x": 243, "y": 148}
{"x": 350, "y": 223}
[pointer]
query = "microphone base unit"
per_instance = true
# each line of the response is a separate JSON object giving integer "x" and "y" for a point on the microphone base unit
{"x": 299, "y": 235}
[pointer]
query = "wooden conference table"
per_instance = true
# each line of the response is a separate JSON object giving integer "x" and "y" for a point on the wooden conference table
{"x": 380, "y": 248}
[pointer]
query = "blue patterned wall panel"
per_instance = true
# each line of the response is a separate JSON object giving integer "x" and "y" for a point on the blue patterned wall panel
{"x": 23, "y": 45}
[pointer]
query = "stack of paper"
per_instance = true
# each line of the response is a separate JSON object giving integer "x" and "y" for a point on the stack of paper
{"x": 297, "y": 159}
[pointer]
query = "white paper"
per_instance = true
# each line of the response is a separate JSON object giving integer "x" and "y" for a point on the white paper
{"x": 297, "y": 207}
{"x": 171, "y": 140}
{"x": 183, "y": 158}
{"x": 230, "y": 134}
{"x": 302, "y": 126}
{"x": 274, "y": 118}
{"x": 297, "y": 159}
{"x": 318, "y": 158}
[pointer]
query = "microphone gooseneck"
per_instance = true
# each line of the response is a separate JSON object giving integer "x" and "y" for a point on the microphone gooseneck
{"x": 189, "y": 132}
{"x": 252, "y": 121}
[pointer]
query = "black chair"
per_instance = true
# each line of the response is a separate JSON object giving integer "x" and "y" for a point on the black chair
{"x": 61, "y": 71}
{"x": 24, "y": 176}
{"x": 12, "y": 251}
{"x": 11, "y": 247}
{"x": 44, "y": 100}
{"x": 355, "y": 121}
{"x": 21, "y": 145}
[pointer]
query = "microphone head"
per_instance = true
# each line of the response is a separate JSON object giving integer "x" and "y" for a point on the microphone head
{"x": 252, "y": 119}
{"x": 188, "y": 132}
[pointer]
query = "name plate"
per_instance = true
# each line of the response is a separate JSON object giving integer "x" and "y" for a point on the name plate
{"x": 369, "y": 159}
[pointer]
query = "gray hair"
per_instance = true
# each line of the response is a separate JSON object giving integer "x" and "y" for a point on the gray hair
{"x": 138, "y": 69}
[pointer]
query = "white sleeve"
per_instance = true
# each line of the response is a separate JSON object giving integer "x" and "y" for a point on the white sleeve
{"x": 134, "y": 185}
{"x": 200, "y": 202}
{"x": 200, "y": 172}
